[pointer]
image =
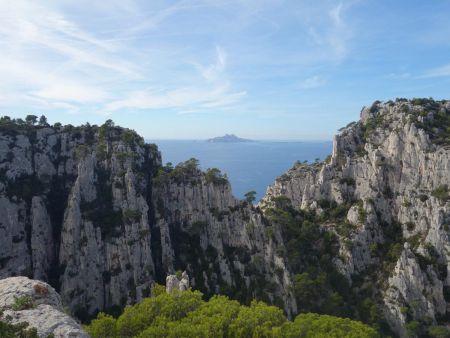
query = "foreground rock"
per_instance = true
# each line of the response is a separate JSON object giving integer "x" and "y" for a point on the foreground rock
{"x": 38, "y": 304}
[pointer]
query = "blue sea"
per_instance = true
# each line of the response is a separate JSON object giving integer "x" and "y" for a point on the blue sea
{"x": 249, "y": 165}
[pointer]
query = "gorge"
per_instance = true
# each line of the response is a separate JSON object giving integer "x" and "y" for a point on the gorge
{"x": 364, "y": 234}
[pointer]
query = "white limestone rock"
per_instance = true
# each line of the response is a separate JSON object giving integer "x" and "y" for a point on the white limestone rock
{"x": 45, "y": 313}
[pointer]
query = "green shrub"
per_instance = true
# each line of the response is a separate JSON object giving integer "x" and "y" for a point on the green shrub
{"x": 132, "y": 216}
{"x": 214, "y": 176}
{"x": 8, "y": 330}
{"x": 250, "y": 196}
{"x": 348, "y": 181}
{"x": 441, "y": 193}
{"x": 81, "y": 151}
{"x": 23, "y": 303}
{"x": 438, "y": 331}
{"x": 185, "y": 314}
{"x": 312, "y": 325}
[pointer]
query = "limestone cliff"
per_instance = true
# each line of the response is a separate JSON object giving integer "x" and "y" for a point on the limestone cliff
{"x": 390, "y": 172}
{"x": 90, "y": 210}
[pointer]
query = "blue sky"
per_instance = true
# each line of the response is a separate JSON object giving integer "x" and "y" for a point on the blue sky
{"x": 263, "y": 69}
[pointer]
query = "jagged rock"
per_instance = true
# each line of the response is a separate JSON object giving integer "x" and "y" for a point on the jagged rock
{"x": 387, "y": 165}
{"x": 173, "y": 283}
{"x": 88, "y": 210}
{"x": 42, "y": 310}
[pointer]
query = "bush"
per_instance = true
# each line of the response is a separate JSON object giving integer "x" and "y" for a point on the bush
{"x": 250, "y": 196}
{"x": 185, "y": 314}
{"x": 23, "y": 303}
{"x": 214, "y": 176}
{"x": 441, "y": 193}
{"x": 439, "y": 331}
{"x": 313, "y": 325}
{"x": 348, "y": 181}
{"x": 8, "y": 330}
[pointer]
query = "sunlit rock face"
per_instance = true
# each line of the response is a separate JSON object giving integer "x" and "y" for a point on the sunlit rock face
{"x": 90, "y": 210}
{"x": 393, "y": 169}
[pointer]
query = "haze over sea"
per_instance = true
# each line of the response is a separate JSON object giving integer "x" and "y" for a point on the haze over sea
{"x": 249, "y": 165}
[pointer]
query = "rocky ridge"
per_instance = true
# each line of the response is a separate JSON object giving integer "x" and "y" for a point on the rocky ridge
{"x": 92, "y": 206}
{"x": 390, "y": 172}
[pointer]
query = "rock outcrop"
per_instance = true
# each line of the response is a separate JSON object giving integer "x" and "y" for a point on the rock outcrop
{"x": 173, "y": 283}
{"x": 37, "y": 303}
{"x": 91, "y": 211}
{"x": 391, "y": 171}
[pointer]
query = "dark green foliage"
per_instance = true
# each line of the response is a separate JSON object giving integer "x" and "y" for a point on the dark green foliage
{"x": 389, "y": 252}
{"x": 435, "y": 123}
{"x": 348, "y": 181}
{"x": 23, "y": 303}
{"x": 197, "y": 227}
{"x": 423, "y": 101}
{"x": 441, "y": 193}
{"x": 81, "y": 151}
{"x": 214, "y": 176}
{"x": 132, "y": 216}
{"x": 185, "y": 172}
{"x": 318, "y": 287}
{"x": 413, "y": 329}
{"x": 43, "y": 121}
{"x": 21, "y": 330}
{"x": 438, "y": 331}
{"x": 31, "y": 120}
{"x": 423, "y": 197}
{"x": 24, "y": 187}
{"x": 371, "y": 125}
{"x": 128, "y": 137}
{"x": 250, "y": 196}
{"x": 185, "y": 314}
{"x": 362, "y": 214}
{"x": 312, "y": 325}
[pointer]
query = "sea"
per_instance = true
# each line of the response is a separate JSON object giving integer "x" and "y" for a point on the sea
{"x": 248, "y": 165}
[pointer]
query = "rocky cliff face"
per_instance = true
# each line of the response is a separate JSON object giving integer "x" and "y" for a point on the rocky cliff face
{"x": 90, "y": 210}
{"x": 390, "y": 172}
{"x": 364, "y": 234}
{"x": 221, "y": 241}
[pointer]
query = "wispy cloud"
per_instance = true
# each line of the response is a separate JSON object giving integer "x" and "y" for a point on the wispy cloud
{"x": 211, "y": 89}
{"x": 312, "y": 82}
{"x": 328, "y": 29}
{"x": 443, "y": 71}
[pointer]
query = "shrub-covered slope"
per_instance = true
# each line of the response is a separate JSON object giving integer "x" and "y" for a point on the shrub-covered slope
{"x": 185, "y": 314}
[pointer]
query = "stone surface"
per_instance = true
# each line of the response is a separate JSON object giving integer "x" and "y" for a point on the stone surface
{"x": 46, "y": 314}
{"x": 173, "y": 283}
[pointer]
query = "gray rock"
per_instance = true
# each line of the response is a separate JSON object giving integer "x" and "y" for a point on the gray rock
{"x": 45, "y": 313}
{"x": 392, "y": 169}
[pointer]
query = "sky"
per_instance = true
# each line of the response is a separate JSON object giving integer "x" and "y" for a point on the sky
{"x": 261, "y": 69}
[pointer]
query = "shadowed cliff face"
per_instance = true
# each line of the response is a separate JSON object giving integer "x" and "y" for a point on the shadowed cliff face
{"x": 90, "y": 210}
{"x": 390, "y": 174}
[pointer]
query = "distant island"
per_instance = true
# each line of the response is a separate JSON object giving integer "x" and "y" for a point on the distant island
{"x": 228, "y": 138}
